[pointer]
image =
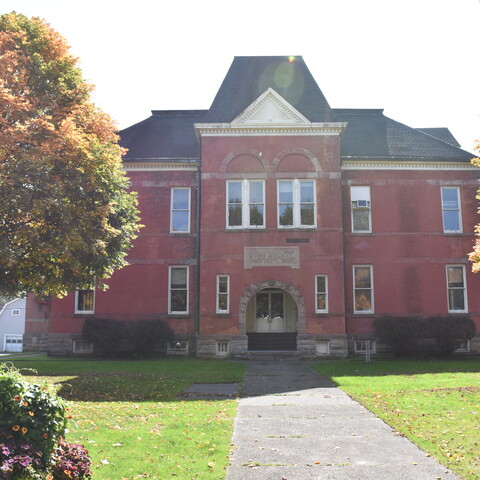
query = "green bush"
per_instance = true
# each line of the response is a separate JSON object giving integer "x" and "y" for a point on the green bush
{"x": 413, "y": 336}
{"x": 117, "y": 338}
{"x": 401, "y": 334}
{"x": 448, "y": 332}
{"x": 30, "y": 413}
{"x": 106, "y": 334}
{"x": 145, "y": 336}
{"x": 33, "y": 419}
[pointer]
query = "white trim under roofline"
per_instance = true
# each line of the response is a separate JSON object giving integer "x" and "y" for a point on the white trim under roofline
{"x": 369, "y": 164}
{"x": 147, "y": 165}
{"x": 266, "y": 129}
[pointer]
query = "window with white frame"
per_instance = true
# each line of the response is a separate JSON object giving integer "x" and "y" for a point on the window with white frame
{"x": 364, "y": 346}
{"x": 180, "y": 210}
{"x": 222, "y": 347}
{"x": 361, "y": 213}
{"x": 321, "y": 294}
{"x": 178, "y": 290}
{"x": 245, "y": 204}
{"x": 296, "y": 203}
{"x": 85, "y": 301}
{"x": 456, "y": 287}
{"x": 15, "y": 312}
{"x": 223, "y": 293}
{"x": 363, "y": 288}
{"x": 451, "y": 211}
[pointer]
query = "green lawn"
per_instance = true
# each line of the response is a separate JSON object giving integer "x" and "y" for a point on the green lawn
{"x": 127, "y": 415}
{"x": 436, "y": 404}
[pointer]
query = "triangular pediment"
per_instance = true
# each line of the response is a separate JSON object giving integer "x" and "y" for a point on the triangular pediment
{"x": 270, "y": 108}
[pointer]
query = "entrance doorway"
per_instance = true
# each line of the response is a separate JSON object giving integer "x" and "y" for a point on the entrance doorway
{"x": 272, "y": 321}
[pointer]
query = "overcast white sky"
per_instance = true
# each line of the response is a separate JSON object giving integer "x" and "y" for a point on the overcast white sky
{"x": 417, "y": 59}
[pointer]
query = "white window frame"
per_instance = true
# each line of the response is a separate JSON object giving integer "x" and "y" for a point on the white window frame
{"x": 245, "y": 203}
{"x": 317, "y": 293}
{"x": 373, "y": 345}
{"x": 446, "y": 208}
{"x": 360, "y": 201}
{"x": 15, "y": 312}
{"x": 84, "y": 312}
{"x": 174, "y": 210}
{"x": 218, "y": 293}
{"x": 462, "y": 288}
{"x": 222, "y": 347}
{"x": 296, "y": 200}
{"x": 355, "y": 288}
{"x": 322, "y": 348}
{"x": 178, "y": 312}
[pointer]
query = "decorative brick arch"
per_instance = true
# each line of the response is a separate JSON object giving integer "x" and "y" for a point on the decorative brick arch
{"x": 254, "y": 153}
{"x": 298, "y": 151}
{"x": 252, "y": 289}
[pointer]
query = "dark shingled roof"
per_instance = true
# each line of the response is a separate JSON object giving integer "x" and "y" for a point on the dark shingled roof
{"x": 170, "y": 135}
{"x": 370, "y": 134}
{"x": 442, "y": 133}
{"x": 166, "y": 135}
{"x": 249, "y": 77}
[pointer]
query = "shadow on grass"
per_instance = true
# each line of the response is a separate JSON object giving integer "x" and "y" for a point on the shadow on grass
{"x": 358, "y": 367}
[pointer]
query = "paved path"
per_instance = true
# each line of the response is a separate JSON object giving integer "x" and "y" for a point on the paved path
{"x": 292, "y": 424}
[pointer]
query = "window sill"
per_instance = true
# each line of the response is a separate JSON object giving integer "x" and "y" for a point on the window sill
{"x": 178, "y": 315}
{"x": 83, "y": 314}
{"x": 223, "y": 315}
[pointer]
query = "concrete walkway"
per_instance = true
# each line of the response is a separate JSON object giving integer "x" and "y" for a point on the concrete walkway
{"x": 292, "y": 424}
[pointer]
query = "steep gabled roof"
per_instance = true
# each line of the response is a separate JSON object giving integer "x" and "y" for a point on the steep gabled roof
{"x": 250, "y": 77}
{"x": 166, "y": 135}
{"x": 370, "y": 134}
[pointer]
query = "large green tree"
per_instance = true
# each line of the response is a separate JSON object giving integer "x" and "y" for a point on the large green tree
{"x": 66, "y": 217}
{"x": 475, "y": 255}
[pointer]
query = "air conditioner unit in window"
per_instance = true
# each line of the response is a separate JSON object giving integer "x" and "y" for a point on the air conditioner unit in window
{"x": 361, "y": 203}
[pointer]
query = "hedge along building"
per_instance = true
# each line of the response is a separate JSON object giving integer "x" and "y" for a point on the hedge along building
{"x": 274, "y": 222}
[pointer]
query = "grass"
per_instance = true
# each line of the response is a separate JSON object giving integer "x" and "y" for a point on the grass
{"x": 127, "y": 415}
{"x": 436, "y": 404}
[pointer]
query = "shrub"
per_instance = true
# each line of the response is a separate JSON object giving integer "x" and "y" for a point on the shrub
{"x": 145, "y": 336}
{"x": 106, "y": 335}
{"x": 30, "y": 414}
{"x": 33, "y": 419}
{"x": 407, "y": 336}
{"x": 448, "y": 332}
{"x": 70, "y": 462}
{"x": 401, "y": 334}
{"x": 114, "y": 338}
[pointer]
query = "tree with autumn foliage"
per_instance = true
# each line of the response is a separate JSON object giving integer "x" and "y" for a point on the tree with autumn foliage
{"x": 475, "y": 255}
{"x": 66, "y": 217}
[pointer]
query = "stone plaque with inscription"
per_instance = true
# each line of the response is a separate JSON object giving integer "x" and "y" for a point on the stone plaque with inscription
{"x": 271, "y": 257}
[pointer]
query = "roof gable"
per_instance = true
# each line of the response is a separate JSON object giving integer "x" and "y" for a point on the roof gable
{"x": 270, "y": 108}
{"x": 249, "y": 77}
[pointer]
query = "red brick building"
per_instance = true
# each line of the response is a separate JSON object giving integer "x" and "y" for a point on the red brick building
{"x": 275, "y": 222}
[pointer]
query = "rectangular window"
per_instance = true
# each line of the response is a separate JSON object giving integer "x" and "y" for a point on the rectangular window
{"x": 296, "y": 204}
{"x": 246, "y": 204}
{"x": 361, "y": 213}
{"x": 180, "y": 210}
{"x": 15, "y": 312}
{"x": 456, "y": 287}
{"x": 452, "y": 215}
{"x": 363, "y": 288}
{"x": 178, "y": 290}
{"x": 223, "y": 293}
{"x": 321, "y": 294}
{"x": 85, "y": 301}
{"x": 364, "y": 346}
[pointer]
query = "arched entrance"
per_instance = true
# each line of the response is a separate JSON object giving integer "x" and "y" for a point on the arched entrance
{"x": 272, "y": 316}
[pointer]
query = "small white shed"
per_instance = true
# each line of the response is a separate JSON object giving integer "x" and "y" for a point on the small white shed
{"x": 12, "y": 326}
